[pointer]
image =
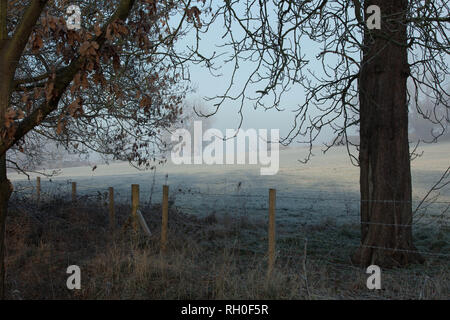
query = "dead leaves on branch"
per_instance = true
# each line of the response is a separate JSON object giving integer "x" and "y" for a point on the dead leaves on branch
{"x": 37, "y": 43}
{"x": 75, "y": 109}
{"x": 193, "y": 15}
{"x": 100, "y": 48}
{"x": 62, "y": 123}
{"x": 49, "y": 88}
{"x": 116, "y": 29}
{"x": 89, "y": 48}
{"x": 52, "y": 24}
{"x": 11, "y": 116}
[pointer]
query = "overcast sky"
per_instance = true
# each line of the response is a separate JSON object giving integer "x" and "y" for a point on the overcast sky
{"x": 207, "y": 86}
{"x": 227, "y": 117}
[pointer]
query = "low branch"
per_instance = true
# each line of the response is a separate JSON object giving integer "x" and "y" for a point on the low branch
{"x": 19, "y": 82}
{"x": 441, "y": 183}
{"x": 428, "y": 19}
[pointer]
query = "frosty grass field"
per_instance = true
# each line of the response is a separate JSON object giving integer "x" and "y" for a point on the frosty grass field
{"x": 327, "y": 186}
{"x": 317, "y": 230}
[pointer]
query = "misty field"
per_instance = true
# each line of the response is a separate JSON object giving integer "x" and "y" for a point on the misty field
{"x": 327, "y": 182}
{"x": 218, "y": 232}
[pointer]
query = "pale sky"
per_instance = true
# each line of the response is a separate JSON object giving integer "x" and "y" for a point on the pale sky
{"x": 227, "y": 117}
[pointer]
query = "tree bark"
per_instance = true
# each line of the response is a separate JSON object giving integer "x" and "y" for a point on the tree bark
{"x": 5, "y": 190}
{"x": 5, "y": 193}
{"x": 385, "y": 173}
{"x": 5, "y": 186}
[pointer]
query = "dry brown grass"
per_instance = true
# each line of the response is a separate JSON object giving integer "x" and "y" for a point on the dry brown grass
{"x": 42, "y": 242}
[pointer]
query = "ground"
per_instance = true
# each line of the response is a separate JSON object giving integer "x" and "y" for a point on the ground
{"x": 218, "y": 234}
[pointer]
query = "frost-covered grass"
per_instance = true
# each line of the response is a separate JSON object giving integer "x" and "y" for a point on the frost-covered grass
{"x": 218, "y": 233}
{"x": 214, "y": 257}
{"x": 326, "y": 187}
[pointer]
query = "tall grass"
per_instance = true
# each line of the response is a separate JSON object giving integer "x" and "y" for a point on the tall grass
{"x": 42, "y": 242}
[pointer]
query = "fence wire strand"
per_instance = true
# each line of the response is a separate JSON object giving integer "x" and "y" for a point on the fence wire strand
{"x": 101, "y": 195}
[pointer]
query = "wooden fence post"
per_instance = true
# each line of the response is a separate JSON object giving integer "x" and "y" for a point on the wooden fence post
{"x": 134, "y": 204}
{"x": 271, "y": 252}
{"x": 74, "y": 191}
{"x": 165, "y": 218}
{"x": 112, "y": 213}
{"x": 38, "y": 189}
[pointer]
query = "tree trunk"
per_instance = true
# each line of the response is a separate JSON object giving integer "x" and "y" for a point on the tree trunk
{"x": 6, "y": 76}
{"x": 5, "y": 186}
{"x": 5, "y": 193}
{"x": 385, "y": 173}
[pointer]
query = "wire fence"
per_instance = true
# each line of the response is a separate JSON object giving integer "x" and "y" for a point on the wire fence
{"x": 326, "y": 226}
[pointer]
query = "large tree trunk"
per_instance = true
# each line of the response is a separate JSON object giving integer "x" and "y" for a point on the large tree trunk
{"x": 6, "y": 76}
{"x": 5, "y": 193}
{"x": 385, "y": 173}
{"x": 5, "y": 186}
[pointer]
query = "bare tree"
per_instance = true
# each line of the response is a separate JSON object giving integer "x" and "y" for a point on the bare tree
{"x": 429, "y": 122}
{"x": 363, "y": 85}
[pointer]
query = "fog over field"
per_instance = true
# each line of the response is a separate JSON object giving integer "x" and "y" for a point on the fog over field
{"x": 328, "y": 185}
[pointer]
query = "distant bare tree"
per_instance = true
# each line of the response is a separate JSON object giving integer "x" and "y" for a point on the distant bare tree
{"x": 429, "y": 122}
{"x": 192, "y": 111}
